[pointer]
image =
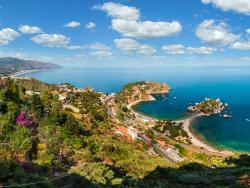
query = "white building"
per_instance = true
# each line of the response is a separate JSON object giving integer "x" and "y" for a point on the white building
{"x": 32, "y": 93}
{"x": 133, "y": 133}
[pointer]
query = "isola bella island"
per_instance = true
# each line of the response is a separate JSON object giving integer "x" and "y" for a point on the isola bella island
{"x": 125, "y": 94}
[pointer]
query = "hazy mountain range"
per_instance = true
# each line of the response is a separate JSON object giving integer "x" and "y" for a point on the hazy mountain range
{"x": 9, "y": 65}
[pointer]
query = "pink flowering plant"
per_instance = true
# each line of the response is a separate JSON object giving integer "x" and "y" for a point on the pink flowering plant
{"x": 25, "y": 120}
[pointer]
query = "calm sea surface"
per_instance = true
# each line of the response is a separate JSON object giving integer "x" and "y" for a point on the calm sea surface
{"x": 188, "y": 85}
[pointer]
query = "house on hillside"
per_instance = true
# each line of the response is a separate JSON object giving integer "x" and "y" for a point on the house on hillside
{"x": 133, "y": 133}
{"x": 32, "y": 93}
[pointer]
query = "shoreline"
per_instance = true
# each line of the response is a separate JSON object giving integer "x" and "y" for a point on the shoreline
{"x": 14, "y": 75}
{"x": 195, "y": 139}
{"x": 140, "y": 115}
{"x": 187, "y": 126}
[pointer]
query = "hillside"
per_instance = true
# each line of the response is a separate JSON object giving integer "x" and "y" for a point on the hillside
{"x": 61, "y": 136}
{"x": 9, "y": 65}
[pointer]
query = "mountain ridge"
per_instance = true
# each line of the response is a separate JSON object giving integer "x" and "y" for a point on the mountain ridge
{"x": 11, "y": 65}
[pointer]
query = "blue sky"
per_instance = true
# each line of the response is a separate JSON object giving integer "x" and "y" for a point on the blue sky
{"x": 127, "y": 32}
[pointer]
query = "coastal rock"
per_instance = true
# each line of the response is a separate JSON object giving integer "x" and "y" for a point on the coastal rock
{"x": 141, "y": 91}
{"x": 208, "y": 107}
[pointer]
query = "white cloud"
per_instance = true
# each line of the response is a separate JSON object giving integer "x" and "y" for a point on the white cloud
{"x": 146, "y": 50}
{"x": 51, "y": 40}
{"x": 100, "y": 53}
{"x": 240, "y": 6}
{"x": 125, "y": 20}
{"x": 241, "y": 45}
{"x": 74, "y": 47}
{"x": 179, "y": 49}
{"x": 146, "y": 29}
{"x": 130, "y": 46}
{"x": 216, "y": 33}
{"x": 90, "y": 25}
{"x": 99, "y": 50}
{"x": 30, "y": 29}
{"x": 116, "y": 10}
{"x": 72, "y": 24}
{"x": 7, "y": 35}
{"x": 174, "y": 49}
{"x": 99, "y": 46}
{"x": 201, "y": 50}
{"x": 248, "y": 31}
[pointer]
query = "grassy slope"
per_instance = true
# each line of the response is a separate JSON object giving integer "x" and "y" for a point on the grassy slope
{"x": 86, "y": 152}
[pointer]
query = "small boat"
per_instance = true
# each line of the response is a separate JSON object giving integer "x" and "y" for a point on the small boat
{"x": 248, "y": 120}
{"x": 227, "y": 116}
{"x": 175, "y": 97}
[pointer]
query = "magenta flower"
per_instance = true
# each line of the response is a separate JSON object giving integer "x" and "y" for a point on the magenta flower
{"x": 23, "y": 120}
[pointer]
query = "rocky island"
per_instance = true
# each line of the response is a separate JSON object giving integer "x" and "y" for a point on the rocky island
{"x": 208, "y": 107}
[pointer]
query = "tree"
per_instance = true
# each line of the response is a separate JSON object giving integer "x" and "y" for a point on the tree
{"x": 36, "y": 105}
{"x": 47, "y": 99}
{"x": 20, "y": 140}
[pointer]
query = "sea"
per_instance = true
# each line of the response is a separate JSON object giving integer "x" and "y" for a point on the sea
{"x": 189, "y": 84}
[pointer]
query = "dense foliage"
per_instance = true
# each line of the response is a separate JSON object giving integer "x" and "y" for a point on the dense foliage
{"x": 45, "y": 144}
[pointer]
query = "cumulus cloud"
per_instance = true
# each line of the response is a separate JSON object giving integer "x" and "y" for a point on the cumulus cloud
{"x": 240, "y": 6}
{"x": 241, "y": 45}
{"x": 7, "y": 35}
{"x": 90, "y": 25}
{"x": 125, "y": 20}
{"x": 72, "y": 24}
{"x": 248, "y": 31}
{"x": 131, "y": 46}
{"x": 146, "y": 29}
{"x": 216, "y": 33}
{"x": 99, "y": 50}
{"x": 30, "y": 29}
{"x": 74, "y": 47}
{"x": 116, "y": 10}
{"x": 51, "y": 40}
{"x": 97, "y": 53}
{"x": 174, "y": 49}
{"x": 179, "y": 49}
{"x": 201, "y": 50}
{"x": 99, "y": 46}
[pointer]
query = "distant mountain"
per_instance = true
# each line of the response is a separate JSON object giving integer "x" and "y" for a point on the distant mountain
{"x": 9, "y": 65}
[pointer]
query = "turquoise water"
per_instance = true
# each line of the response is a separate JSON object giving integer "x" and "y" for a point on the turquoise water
{"x": 188, "y": 85}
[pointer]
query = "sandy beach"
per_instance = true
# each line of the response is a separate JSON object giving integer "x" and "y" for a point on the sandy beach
{"x": 196, "y": 141}
{"x": 22, "y": 72}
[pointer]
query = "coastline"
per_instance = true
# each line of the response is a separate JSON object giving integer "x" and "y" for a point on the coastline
{"x": 141, "y": 116}
{"x": 22, "y": 72}
{"x": 187, "y": 123}
{"x": 196, "y": 141}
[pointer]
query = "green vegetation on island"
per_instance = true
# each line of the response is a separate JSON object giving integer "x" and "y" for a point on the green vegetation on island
{"x": 208, "y": 107}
